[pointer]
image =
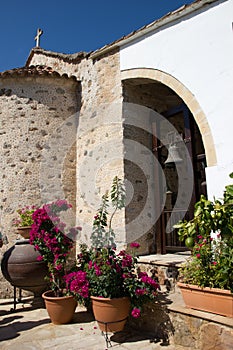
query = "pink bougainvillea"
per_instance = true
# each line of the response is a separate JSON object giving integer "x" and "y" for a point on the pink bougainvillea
{"x": 113, "y": 275}
{"x": 52, "y": 242}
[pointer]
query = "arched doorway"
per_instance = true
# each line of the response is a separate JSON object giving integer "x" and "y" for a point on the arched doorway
{"x": 169, "y": 157}
{"x": 158, "y": 96}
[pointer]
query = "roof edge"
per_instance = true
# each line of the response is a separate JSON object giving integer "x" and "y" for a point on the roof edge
{"x": 75, "y": 57}
{"x": 36, "y": 71}
{"x": 168, "y": 18}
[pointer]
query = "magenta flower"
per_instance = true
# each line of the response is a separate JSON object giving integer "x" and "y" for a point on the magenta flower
{"x": 47, "y": 236}
{"x": 140, "y": 291}
{"x": 39, "y": 258}
{"x": 136, "y": 312}
{"x": 126, "y": 260}
{"x": 58, "y": 267}
{"x": 97, "y": 270}
{"x": 118, "y": 268}
{"x": 134, "y": 245}
{"x": 77, "y": 284}
{"x": 142, "y": 274}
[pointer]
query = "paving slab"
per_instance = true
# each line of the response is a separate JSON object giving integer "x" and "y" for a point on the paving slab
{"x": 27, "y": 328}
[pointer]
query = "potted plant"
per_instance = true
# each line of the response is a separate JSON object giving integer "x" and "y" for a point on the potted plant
{"x": 111, "y": 279}
{"x": 209, "y": 271}
{"x": 54, "y": 244}
{"x": 24, "y": 221}
{"x": 115, "y": 282}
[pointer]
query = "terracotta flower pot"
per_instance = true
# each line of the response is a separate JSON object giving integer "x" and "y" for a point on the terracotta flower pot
{"x": 24, "y": 231}
{"x": 111, "y": 314}
{"x": 60, "y": 309}
{"x": 214, "y": 300}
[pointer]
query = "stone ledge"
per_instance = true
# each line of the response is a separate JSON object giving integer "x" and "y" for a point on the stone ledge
{"x": 179, "y": 308}
{"x": 164, "y": 260}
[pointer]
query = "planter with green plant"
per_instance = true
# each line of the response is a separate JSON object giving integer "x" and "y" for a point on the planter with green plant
{"x": 112, "y": 276}
{"x": 24, "y": 220}
{"x": 210, "y": 267}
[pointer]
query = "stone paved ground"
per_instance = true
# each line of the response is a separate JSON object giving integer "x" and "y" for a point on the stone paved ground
{"x": 30, "y": 329}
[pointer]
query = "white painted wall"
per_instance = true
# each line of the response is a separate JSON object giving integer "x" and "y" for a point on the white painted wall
{"x": 198, "y": 51}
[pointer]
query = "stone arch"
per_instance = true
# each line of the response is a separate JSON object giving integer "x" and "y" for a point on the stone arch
{"x": 189, "y": 100}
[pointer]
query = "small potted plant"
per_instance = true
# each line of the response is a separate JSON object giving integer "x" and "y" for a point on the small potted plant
{"x": 24, "y": 220}
{"x": 209, "y": 270}
{"x": 54, "y": 244}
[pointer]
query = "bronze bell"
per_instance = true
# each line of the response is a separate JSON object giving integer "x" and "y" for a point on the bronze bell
{"x": 173, "y": 156}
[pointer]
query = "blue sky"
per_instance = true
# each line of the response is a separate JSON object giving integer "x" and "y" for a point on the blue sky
{"x": 71, "y": 26}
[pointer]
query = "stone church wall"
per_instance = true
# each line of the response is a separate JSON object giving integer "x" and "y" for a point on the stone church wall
{"x": 99, "y": 141}
{"x": 34, "y": 111}
{"x": 99, "y": 132}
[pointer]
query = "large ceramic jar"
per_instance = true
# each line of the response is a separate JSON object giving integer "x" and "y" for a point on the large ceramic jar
{"x": 21, "y": 268}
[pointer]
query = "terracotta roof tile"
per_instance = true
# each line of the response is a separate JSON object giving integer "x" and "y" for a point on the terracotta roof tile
{"x": 35, "y": 71}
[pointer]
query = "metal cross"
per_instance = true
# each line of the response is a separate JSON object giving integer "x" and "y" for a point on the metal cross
{"x": 37, "y": 37}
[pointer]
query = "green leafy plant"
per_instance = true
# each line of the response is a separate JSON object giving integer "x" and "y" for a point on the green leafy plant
{"x": 102, "y": 233}
{"x": 211, "y": 264}
{"x": 202, "y": 223}
{"x": 209, "y": 216}
{"x": 25, "y": 216}
{"x": 211, "y": 261}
